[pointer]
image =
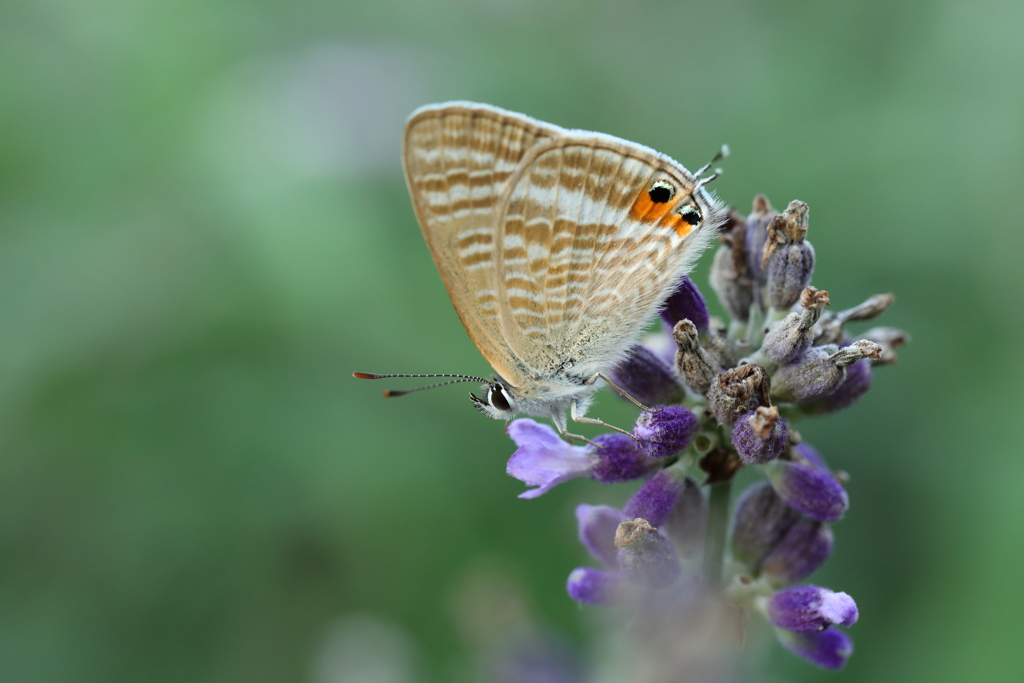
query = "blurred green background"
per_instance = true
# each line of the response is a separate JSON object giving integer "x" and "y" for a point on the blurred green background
{"x": 204, "y": 229}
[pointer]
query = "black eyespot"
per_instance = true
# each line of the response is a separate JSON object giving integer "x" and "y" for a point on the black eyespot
{"x": 496, "y": 398}
{"x": 691, "y": 214}
{"x": 661, "y": 192}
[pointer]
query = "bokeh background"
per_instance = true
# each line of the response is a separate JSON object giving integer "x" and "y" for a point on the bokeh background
{"x": 204, "y": 230}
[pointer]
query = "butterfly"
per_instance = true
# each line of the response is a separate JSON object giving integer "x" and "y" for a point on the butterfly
{"x": 556, "y": 247}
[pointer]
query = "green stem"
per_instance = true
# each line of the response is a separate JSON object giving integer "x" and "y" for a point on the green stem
{"x": 714, "y": 536}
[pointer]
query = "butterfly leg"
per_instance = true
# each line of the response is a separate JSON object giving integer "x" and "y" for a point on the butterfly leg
{"x": 624, "y": 393}
{"x": 558, "y": 417}
{"x": 577, "y": 417}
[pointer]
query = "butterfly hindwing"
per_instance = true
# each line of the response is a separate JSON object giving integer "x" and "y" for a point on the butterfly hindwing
{"x": 459, "y": 158}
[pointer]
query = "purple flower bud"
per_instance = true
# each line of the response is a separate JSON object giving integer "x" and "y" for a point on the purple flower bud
{"x": 760, "y": 436}
{"x": 730, "y": 277}
{"x": 666, "y": 431}
{"x": 788, "y": 340}
{"x": 686, "y": 524}
{"x": 789, "y": 272}
{"x": 855, "y": 384}
{"x": 597, "y": 525}
{"x": 592, "y": 586}
{"x": 811, "y": 608}
{"x": 802, "y": 549}
{"x": 772, "y": 538}
{"x": 645, "y": 555}
{"x": 738, "y": 391}
{"x": 757, "y": 235}
{"x": 655, "y": 499}
{"x": 544, "y": 460}
{"x": 647, "y": 378}
{"x": 806, "y": 454}
{"x": 693, "y": 363}
{"x": 820, "y": 372}
{"x": 686, "y": 303}
{"x": 789, "y": 260}
{"x": 813, "y": 492}
{"x": 619, "y": 459}
{"x": 732, "y": 283}
{"x": 761, "y": 521}
{"x": 828, "y": 649}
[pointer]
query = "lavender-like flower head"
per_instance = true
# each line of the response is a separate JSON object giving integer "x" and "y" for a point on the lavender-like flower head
{"x": 727, "y": 400}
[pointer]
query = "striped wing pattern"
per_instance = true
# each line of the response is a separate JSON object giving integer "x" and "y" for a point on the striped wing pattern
{"x": 552, "y": 252}
{"x": 459, "y": 158}
{"x": 586, "y": 257}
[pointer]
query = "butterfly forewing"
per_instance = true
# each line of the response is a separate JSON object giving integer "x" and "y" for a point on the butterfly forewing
{"x": 586, "y": 256}
{"x": 459, "y": 158}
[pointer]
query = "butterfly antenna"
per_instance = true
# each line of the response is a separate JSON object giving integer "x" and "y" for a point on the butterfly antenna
{"x": 722, "y": 153}
{"x": 391, "y": 394}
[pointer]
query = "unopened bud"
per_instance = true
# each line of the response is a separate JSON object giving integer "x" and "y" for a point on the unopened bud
{"x": 693, "y": 363}
{"x": 760, "y": 436}
{"x": 787, "y": 257}
{"x": 788, "y": 340}
{"x": 730, "y": 277}
{"x": 646, "y": 556}
{"x": 757, "y": 235}
{"x": 820, "y": 372}
{"x": 828, "y": 649}
{"x": 686, "y": 524}
{"x": 593, "y": 586}
{"x": 686, "y": 302}
{"x": 666, "y": 431}
{"x": 647, "y": 378}
{"x": 810, "y": 608}
{"x": 808, "y": 490}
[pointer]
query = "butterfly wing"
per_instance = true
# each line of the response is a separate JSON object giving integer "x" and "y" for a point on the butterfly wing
{"x": 459, "y": 158}
{"x": 586, "y": 256}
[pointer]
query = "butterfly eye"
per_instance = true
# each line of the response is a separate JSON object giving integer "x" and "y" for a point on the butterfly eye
{"x": 661, "y": 192}
{"x": 496, "y": 397}
{"x": 691, "y": 214}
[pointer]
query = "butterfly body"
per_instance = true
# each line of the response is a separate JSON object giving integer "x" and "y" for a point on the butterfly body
{"x": 556, "y": 246}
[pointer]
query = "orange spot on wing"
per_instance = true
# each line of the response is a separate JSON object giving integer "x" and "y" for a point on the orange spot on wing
{"x": 676, "y": 222}
{"x": 645, "y": 210}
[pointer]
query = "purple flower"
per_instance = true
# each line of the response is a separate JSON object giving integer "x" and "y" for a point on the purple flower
{"x": 854, "y": 385}
{"x": 646, "y": 556}
{"x": 631, "y": 549}
{"x": 815, "y": 493}
{"x": 820, "y": 372}
{"x": 648, "y": 378}
{"x": 757, "y": 235}
{"x": 619, "y": 459}
{"x": 686, "y": 302}
{"x": 593, "y": 586}
{"x": 655, "y": 499}
{"x": 666, "y": 431}
{"x": 828, "y": 649}
{"x": 544, "y": 460}
{"x": 686, "y": 524}
{"x": 811, "y": 608}
{"x": 774, "y": 539}
{"x": 761, "y": 520}
{"x": 597, "y": 525}
{"x": 760, "y": 436}
{"x": 808, "y": 455}
{"x": 804, "y": 547}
